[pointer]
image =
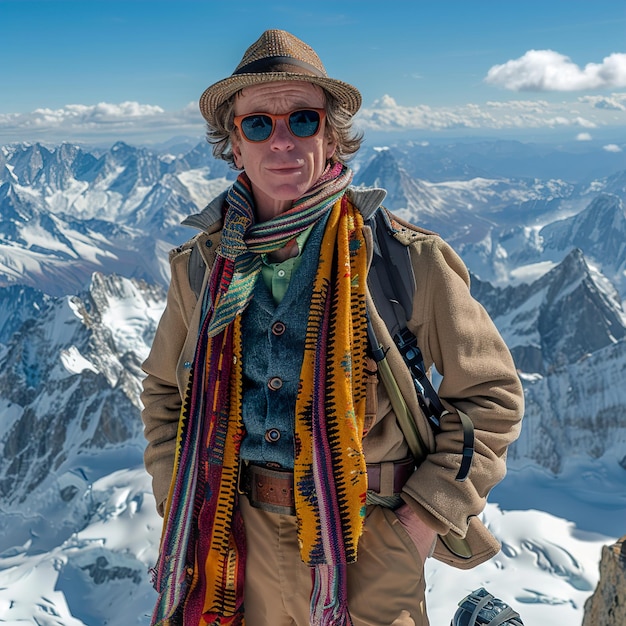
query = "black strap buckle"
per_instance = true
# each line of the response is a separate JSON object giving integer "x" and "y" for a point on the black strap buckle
{"x": 426, "y": 394}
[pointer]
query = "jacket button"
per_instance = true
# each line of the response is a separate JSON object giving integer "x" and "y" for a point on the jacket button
{"x": 275, "y": 383}
{"x": 272, "y": 435}
{"x": 208, "y": 243}
{"x": 278, "y": 328}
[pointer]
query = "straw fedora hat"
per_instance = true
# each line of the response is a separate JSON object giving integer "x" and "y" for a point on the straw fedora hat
{"x": 277, "y": 56}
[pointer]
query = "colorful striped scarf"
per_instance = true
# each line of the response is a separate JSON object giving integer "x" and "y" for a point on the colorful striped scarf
{"x": 200, "y": 574}
{"x": 243, "y": 241}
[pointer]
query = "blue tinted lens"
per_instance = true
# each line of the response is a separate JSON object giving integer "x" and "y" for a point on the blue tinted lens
{"x": 257, "y": 127}
{"x": 304, "y": 123}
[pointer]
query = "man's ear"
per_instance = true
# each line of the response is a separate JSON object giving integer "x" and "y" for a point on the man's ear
{"x": 331, "y": 146}
{"x": 234, "y": 142}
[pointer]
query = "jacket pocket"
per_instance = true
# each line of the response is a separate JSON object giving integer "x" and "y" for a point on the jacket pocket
{"x": 478, "y": 546}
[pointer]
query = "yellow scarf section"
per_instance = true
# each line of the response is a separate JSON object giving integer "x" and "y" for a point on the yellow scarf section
{"x": 329, "y": 470}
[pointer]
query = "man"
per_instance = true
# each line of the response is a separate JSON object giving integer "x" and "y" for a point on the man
{"x": 289, "y": 492}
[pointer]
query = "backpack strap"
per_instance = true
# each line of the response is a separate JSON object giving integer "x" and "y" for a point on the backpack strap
{"x": 391, "y": 280}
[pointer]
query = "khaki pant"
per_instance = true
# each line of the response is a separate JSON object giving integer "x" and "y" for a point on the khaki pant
{"x": 385, "y": 586}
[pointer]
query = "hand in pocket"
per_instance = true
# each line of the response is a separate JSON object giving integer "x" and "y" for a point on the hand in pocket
{"x": 422, "y": 535}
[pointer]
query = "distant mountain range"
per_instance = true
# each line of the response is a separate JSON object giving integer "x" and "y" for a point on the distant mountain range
{"x": 84, "y": 237}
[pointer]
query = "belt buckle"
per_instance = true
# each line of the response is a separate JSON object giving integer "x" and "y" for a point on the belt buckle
{"x": 254, "y": 490}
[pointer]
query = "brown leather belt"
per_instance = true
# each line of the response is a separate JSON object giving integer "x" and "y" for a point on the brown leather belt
{"x": 271, "y": 489}
{"x": 268, "y": 488}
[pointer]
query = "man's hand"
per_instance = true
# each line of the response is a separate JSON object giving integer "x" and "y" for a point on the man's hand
{"x": 423, "y": 536}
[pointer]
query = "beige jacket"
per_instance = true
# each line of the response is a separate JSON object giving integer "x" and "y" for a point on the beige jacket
{"x": 454, "y": 333}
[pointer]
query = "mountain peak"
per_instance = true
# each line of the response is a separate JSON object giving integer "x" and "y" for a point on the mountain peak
{"x": 602, "y": 223}
{"x": 382, "y": 170}
{"x": 570, "y": 312}
{"x": 120, "y": 146}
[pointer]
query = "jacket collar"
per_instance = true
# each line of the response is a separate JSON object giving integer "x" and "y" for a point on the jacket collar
{"x": 366, "y": 199}
{"x": 211, "y": 214}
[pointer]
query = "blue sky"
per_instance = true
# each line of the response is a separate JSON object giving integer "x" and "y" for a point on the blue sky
{"x": 88, "y": 70}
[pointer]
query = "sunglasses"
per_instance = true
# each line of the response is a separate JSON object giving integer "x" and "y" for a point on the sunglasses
{"x": 259, "y": 127}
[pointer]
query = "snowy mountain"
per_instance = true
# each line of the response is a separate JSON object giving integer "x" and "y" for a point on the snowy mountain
{"x": 445, "y": 208}
{"x": 72, "y": 373}
{"x": 559, "y": 319}
{"x": 71, "y": 449}
{"x": 567, "y": 334}
{"x": 522, "y": 252}
{"x": 599, "y": 230}
{"x": 65, "y": 213}
{"x": 83, "y": 267}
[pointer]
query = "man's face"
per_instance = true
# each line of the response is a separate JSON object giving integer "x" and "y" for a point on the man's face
{"x": 284, "y": 167}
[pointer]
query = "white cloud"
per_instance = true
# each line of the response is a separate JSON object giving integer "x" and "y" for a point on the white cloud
{"x": 612, "y": 147}
{"x": 100, "y": 120}
{"x": 547, "y": 70}
{"x": 534, "y": 106}
{"x": 583, "y": 137}
{"x": 614, "y": 102}
{"x": 387, "y": 114}
{"x": 85, "y": 115}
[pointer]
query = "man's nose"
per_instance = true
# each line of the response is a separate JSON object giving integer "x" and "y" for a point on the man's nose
{"x": 282, "y": 137}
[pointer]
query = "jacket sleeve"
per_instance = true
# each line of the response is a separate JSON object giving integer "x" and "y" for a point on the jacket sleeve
{"x": 479, "y": 378}
{"x": 161, "y": 395}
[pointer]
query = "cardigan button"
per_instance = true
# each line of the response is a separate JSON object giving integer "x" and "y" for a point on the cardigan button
{"x": 278, "y": 328}
{"x": 272, "y": 435}
{"x": 275, "y": 383}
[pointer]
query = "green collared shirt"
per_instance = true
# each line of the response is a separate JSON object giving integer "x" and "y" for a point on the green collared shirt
{"x": 277, "y": 275}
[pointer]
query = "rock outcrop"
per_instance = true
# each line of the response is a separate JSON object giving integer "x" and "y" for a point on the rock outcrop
{"x": 607, "y": 605}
